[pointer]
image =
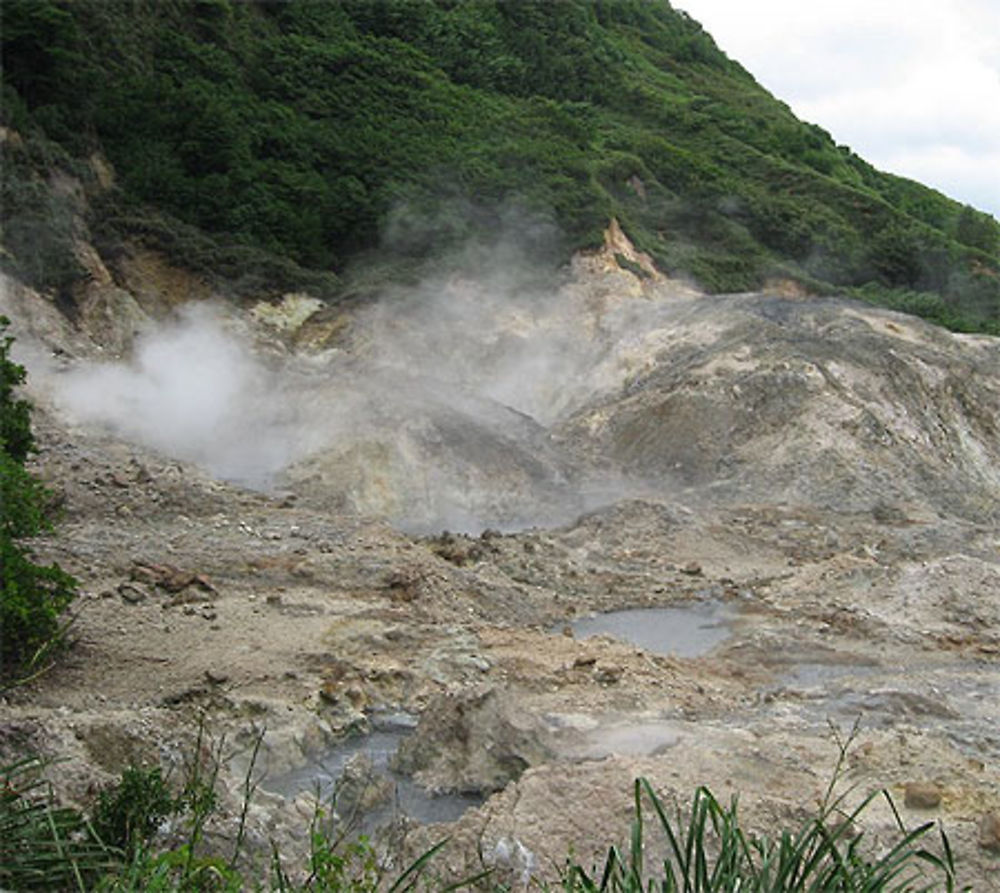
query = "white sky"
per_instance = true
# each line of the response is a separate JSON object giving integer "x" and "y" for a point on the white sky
{"x": 912, "y": 86}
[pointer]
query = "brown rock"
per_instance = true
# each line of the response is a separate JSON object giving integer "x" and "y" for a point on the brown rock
{"x": 989, "y": 832}
{"x": 188, "y": 598}
{"x": 692, "y": 569}
{"x": 922, "y": 795}
{"x": 143, "y": 574}
{"x": 170, "y": 578}
{"x": 356, "y": 696}
{"x": 173, "y": 579}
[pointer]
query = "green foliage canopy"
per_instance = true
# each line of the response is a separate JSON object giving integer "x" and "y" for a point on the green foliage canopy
{"x": 308, "y": 130}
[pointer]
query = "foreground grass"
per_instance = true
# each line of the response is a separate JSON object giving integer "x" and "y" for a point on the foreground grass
{"x": 704, "y": 850}
{"x": 711, "y": 852}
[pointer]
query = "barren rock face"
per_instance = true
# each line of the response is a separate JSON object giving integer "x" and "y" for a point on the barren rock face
{"x": 438, "y": 461}
{"x": 810, "y": 402}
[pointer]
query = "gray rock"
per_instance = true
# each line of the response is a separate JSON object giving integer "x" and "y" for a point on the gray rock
{"x": 133, "y": 593}
{"x": 608, "y": 674}
{"x": 361, "y": 787}
{"x": 472, "y": 741}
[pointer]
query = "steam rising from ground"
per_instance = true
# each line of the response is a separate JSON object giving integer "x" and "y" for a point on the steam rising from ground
{"x": 519, "y": 350}
{"x": 192, "y": 390}
{"x": 436, "y": 415}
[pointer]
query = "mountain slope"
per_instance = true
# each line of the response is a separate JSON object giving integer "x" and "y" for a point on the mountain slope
{"x": 319, "y": 132}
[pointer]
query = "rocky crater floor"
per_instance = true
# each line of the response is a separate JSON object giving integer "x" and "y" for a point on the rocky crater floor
{"x": 809, "y": 489}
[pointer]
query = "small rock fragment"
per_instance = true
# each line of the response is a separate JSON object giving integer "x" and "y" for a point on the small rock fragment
{"x": 922, "y": 795}
{"x": 989, "y": 832}
{"x": 132, "y": 593}
{"x": 405, "y": 584}
{"x": 356, "y": 696}
{"x": 215, "y": 677}
{"x": 608, "y": 674}
{"x": 692, "y": 569}
{"x": 143, "y": 574}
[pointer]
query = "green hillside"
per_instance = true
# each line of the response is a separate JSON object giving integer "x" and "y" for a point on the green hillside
{"x": 298, "y": 141}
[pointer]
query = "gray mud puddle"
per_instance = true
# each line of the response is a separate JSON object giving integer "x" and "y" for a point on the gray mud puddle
{"x": 688, "y": 631}
{"x": 957, "y": 700}
{"x": 955, "y": 704}
{"x": 582, "y": 737}
{"x": 384, "y": 795}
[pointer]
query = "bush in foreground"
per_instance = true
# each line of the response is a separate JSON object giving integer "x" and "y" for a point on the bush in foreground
{"x": 45, "y": 847}
{"x": 32, "y": 597}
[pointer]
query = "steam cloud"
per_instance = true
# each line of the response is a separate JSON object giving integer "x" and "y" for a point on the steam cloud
{"x": 195, "y": 392}
{"x": 437, "y": 416}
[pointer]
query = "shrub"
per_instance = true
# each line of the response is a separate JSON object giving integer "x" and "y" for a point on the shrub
{"x": 43, "y": 846}
{"x": 32, "y": 597}
{"x": 710, "y": 852}
{"x": 32, "y": 600}
{"x": 15, "y": 425}
{"x": 127, "y": 813}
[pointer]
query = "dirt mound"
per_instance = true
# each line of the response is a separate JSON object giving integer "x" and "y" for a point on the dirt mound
{"x": 808, "y": 402}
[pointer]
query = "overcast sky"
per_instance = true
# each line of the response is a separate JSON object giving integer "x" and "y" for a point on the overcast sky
{"x": 912, "y": 86}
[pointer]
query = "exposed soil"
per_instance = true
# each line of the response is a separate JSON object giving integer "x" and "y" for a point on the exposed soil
{"x": 829, "y": 472}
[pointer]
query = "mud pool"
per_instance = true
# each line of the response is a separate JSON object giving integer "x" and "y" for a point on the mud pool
{"x": 951, "y": 700}
{"x": 688, "y": 631}
{"x": 820, "y": 688}
{"x": 325, "y": 776}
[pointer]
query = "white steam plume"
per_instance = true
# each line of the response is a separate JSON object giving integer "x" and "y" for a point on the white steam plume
{"x": 436, "y": 415}
{"x": 193, "y": 391}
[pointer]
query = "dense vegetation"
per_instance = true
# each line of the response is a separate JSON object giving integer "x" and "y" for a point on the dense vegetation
{"x": 32, "y": 596}
{"x": 303, "y": 135}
